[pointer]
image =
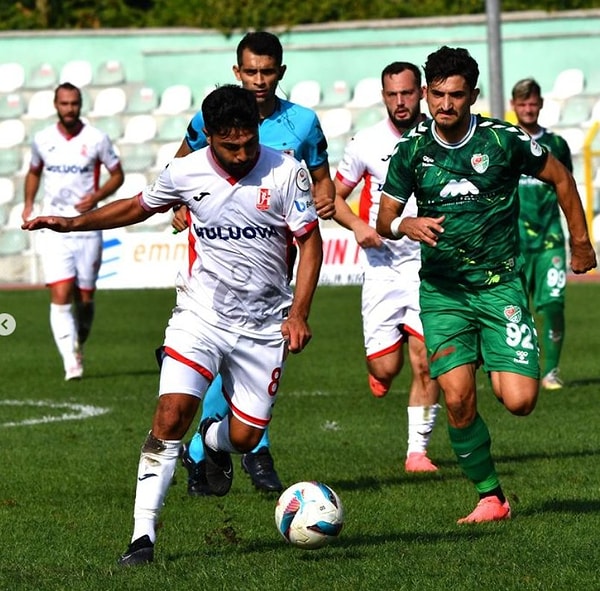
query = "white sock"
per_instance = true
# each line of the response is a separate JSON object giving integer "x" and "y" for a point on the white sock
{"x": 421, "y": 420}
{"x": 158, "y": 461}
{"x": 64, "y": 331}
{"x": 217, "y": 437}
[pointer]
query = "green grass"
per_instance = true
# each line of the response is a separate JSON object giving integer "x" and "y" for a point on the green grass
{"x": 67, "y": 487}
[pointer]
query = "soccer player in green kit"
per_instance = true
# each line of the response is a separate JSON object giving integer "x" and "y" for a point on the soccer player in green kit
{"x": 464, "y": 170}
{"x": 542, "y": 238}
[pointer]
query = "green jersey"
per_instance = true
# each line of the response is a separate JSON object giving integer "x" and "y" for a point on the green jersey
{"x": 474, "y": 183}
{"x": 539, "y": 218}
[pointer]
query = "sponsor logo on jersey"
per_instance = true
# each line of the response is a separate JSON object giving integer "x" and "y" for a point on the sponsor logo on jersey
{"x": 263, "y": 199}
{"x": 513, "y": 313}
{"x": 536, "y": 149}
{"x": 234, "y": 232}
{"x": 302, "y": 180}
{"x": 303, "y": 205}
{"x": 68, "y": 168}
{"x": 462, "y": 187}
{"x": 480, "y": 162}
{"x": 522, "y": 357}
{"x": 428, "y": 161}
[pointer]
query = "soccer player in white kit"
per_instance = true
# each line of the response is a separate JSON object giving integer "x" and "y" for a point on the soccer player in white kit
{"x": 70, "y": 154}
{"x": 390, "y": 292}
{"x": 235, "y": 314}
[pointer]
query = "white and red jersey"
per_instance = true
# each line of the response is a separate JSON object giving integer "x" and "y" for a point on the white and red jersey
{"x": 240, "y": 235}
{"x": 71, "y": 165}
{"x": 367, "y": 158}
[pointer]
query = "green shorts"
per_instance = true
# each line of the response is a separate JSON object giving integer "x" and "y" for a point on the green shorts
{"x": 492, "y": 325}
{"x": 546, "y": 275}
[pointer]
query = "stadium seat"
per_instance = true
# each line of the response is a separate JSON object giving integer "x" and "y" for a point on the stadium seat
{"x": 11, "y": 105}
{"x": 140, "y": 100}
{"x": 367, "y": 93}
{"x": 336, "y": 122}
{"x": 367, "y": 117}
{"x": 11, "y": 160}
{"x": 336, "y": 95}
{"x": 12, "y": 77}
{"x": 166, "y": 153}
{"x": 594, "y": 114}
{"x": 41, "y": 76}
{"x": 78, "y": 72}
{"x": 175, "y": 99}
{"x": 136, "y": 157}
{"x": 172, "y": 128}
{"x": 111, "y": 125}
{"x": 134, "y": 182}
{"x": 576, "y": 110}
{"x": 13, "y": 241}
{"x": 7, "y": 190}
{"x": 41, "y": 105}
{"x": 574, "y": 136}
{"x": 335, "y": 151}
{"x": 567, "y": 83}
{"x": 550, "y": 113}
{"x": 12, "y": 133}
{"x": 109, "y": 101}
{"x": 139, "y": 129}
{"x": 109, "y": 73}
{"x": 306, "y": 93}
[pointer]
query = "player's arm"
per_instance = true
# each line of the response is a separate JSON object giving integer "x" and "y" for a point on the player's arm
{"x": 114, "y": 181}
{"x": 391, "y": 225}
{"x": 323, "y": 191}
{"x": 295, "y": 328}
{"x": 122, "y": 212}
{"x": 583, "y": 257}
{"x": 365, "y": 235}
{"x": 32, "y": 184}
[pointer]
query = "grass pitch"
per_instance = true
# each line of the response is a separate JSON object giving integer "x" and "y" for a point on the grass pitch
{"x": 67, "y": 485}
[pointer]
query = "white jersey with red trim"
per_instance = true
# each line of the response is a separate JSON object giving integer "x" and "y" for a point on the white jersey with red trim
{"x": 240, "y": 235}
{"x": 71, "y": 165}
{"x": 367, "y": 158}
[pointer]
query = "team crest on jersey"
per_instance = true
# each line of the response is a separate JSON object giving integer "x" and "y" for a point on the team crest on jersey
{"x": 512, "y": 313}
{"x": 302, "y": 180}
{"x": 536, "y": 149}
{"x": 84, "y": 150}
{"x": 480, "y": 162}
{"x": 263, "y": 199}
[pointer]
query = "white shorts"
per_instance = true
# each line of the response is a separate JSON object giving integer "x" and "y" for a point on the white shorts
{"x": 251, "y": 367}
{"x": 75, "y": 256}
{"x": 390, "y": 312}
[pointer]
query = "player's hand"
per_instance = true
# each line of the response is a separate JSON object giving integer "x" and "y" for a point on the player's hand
{"x": 325, "y": 207}
{"x": 422, "y": 229}
{"x": 26, "y": 214}
{"x": 367, "y": 237}
{"x": 179, "y": 221}
{"x": 56, "y": 223}
{"x": 583, "y": 258}
{"x": 86, "y": 203}
{"x": 296, "y": 333}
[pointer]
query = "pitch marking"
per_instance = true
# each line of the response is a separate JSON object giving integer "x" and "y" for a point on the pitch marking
{"x": 77, "y": 411}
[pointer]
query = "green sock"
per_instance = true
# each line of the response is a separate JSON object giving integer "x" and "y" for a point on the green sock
{"x": 553, "y": 326}
{"x": 472, "y": 448}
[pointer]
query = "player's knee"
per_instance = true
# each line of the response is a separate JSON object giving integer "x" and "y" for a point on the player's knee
{"x": 245, "y": 440}
{"x": 521, "y": 406}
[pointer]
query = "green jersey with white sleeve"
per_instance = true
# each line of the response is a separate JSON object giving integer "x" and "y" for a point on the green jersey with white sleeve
{"x": 474, "y": 184}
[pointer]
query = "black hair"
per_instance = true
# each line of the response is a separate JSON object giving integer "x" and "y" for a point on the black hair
{"x": 398, "y": 68}
{"x": 261, "y": 43}
{"x": 230, "y": 107}
{"x": 67, "y": 86}
{"x": 448, "y": 61}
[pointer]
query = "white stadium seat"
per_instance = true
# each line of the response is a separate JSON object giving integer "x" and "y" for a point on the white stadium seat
{"x": 12, "y": 77}
{"x": 77, "y": 72}
{"x": 306, "y": 93}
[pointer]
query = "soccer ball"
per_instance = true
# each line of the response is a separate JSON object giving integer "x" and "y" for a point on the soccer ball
{"x": 309, "y": 514}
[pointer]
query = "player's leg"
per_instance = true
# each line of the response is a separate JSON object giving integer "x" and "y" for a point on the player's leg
{"x": 260, "y": 466}
{"x": 192, "y": 454}
{"x": 549, "y": 304}
{"x": 422, "y": 408}
{"x": 450, "y": 323}
{"x": 59, "y": 274}
{"x": 158, "y": 459}
{"x": 256, "y": 382}
{"x": 88, "y": 257}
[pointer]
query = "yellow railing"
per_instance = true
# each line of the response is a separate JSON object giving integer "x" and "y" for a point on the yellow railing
{"x": 588, "y": 175}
